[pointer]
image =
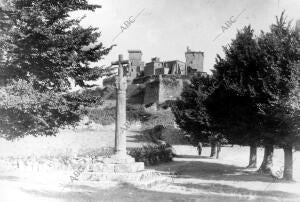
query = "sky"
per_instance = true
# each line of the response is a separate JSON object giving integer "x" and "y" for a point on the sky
{"x": 164, "y": 28}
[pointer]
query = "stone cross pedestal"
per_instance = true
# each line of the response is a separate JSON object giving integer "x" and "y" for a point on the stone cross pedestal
{"x": 121, "y": 160}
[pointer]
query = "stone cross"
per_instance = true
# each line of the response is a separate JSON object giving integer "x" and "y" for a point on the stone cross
{"x": 121, "y": 84}
{"x": 120, "y": 162}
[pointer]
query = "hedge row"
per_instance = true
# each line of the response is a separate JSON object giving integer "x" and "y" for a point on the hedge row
{"x": 152, "y": 155}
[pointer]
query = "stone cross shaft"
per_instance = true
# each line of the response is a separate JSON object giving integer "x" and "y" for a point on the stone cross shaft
{"x": 121, "y": 85}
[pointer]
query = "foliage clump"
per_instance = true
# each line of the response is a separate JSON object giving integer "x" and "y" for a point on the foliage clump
{"x": 152, "y": 155}
{"x": 170, "y": 82}
{"x": 107, "y": 115}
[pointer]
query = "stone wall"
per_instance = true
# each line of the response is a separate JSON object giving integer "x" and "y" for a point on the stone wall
{"x": 151, "y": 89}
{"x": 162, "y": 70}
{"x": 170, "y": 89}
{"x": 135, "y": 93}
{"x": 151, "y": 92}
{"x": 151, "y": 67}
{"x": 162, "y": 89}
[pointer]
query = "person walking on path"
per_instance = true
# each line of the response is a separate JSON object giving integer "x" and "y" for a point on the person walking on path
{"x": 218, "y": 149}
{"x": 199, "y": 148}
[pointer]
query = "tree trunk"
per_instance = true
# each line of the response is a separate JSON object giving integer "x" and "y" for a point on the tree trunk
{"x": 213, "y": 152}
{"x": 268, "y": 160}
{"x": 288, "y": 163}
{"x": 253, "y": 157}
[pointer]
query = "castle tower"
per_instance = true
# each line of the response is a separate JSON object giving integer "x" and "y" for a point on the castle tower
{"x": 136, "y": 65}
{"x": 194, "y": 61}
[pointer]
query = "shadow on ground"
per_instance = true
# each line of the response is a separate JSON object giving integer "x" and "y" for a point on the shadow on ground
{"x": 9, "y": 178}
{"x": 227, "y": 189}
{"x": 194, "y": 167}
{"x": 128, "y": 193}
{"x": 199, "y": 167}
{"x": 193, "y": 157}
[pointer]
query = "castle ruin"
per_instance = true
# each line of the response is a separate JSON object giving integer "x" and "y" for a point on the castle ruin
{"x": 159, "y": 80}
{"x": 137, "y": 68}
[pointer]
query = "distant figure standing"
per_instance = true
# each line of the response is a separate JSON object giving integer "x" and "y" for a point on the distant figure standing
{"x": 218, "y": 148}
{"x": 199, "y": 148}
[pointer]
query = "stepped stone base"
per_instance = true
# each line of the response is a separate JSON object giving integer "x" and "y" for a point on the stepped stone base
{"x": 123, "y": 168}
{"x": 118, "y": 164}
{"x": 117, "y": 167}
{"x": 119, "y": 159}
{"x": 143, "y": 178}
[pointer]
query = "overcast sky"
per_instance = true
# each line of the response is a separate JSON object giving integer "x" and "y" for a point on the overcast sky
{"x": 165, "y": 28}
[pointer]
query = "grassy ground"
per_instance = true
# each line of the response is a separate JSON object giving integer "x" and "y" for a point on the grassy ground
{"x": 74, "y": 141}
{"x": 66, "y": 142}
{"x": 197, "y": 179}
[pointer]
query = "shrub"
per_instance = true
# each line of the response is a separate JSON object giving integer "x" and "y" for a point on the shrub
{"x": 170, "y": 82}
{"x": 106, "y": 116}
{"x": 163, "y": 117}
{"x": 135, "y": 94}
{"x": 136, "y": 113}
{"x": 152, "y": 155}
{"x": 167, "y": 104}
{"x": 96, "y": 152}
{"x": 109, "y": 81}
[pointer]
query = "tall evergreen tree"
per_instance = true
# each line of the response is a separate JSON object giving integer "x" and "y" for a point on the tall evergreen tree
{"x": 191, "y": 113}
{"x": 280, "y": 106}
{"x": 236, "y": 95}
{"x": 42, "y": 50}
{"x": 263, "y": 73}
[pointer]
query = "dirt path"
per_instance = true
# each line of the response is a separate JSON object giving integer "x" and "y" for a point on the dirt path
{"x": 226, "y": 176}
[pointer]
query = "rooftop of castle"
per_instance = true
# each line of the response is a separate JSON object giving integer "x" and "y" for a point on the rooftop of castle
{"x": 200, "y": 52}
{"x": 174, "y": 61}
{"x": 155, "y": 59}
{"x": 134, "y": 51}
{"x": 188, "y": 50}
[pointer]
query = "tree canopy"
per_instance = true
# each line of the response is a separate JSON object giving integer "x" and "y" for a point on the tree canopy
{"x": 190, "y": 110}
{"x": 254, "y": 97}
{"x": 238, "y": 87}
{"x": 280, "y": 105}
{"x": 42, "y": 50}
